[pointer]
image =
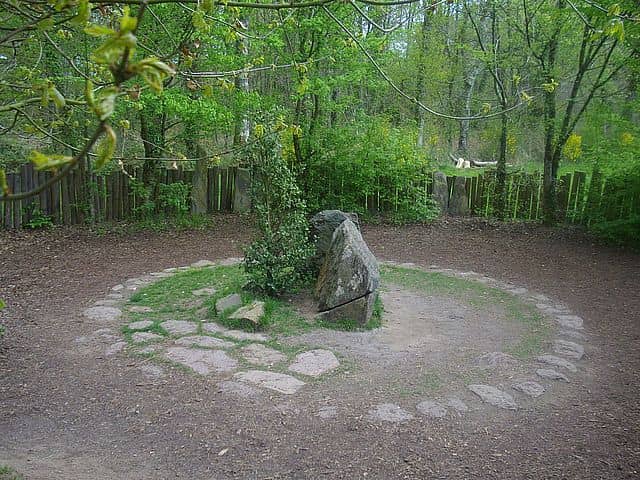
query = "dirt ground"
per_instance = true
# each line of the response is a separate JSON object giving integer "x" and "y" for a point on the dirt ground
{"x": 68, "y": 415}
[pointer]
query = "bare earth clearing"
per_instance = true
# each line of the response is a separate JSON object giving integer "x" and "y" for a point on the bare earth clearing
{"x": 70, "y": 411}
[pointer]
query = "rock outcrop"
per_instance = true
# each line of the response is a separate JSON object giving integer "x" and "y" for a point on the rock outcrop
{"x": 349, "y": 277}
{"x": 323, "y": 225}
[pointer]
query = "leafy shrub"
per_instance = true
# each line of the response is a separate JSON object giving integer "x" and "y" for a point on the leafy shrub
{"x": 369, "y": 167}
{"x": 277, "y": 260}
{"x": 38, "y": 219}
{"x": 174, "y": 197}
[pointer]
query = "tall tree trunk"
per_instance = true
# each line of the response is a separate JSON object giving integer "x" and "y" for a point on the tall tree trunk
{"x": 242, "y": 127}
{"x": 550, "y": 160}
{"x": 152, "y": 135}
{"x": 501, "y": 169}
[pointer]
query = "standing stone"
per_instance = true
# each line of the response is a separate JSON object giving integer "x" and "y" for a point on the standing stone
{"x": 242, "y": 191}
{"x": 323, "y": 225}
{"x": 441, "y": 191}
{"x": 459, "y": 203}
{"x": 349, "y": 274}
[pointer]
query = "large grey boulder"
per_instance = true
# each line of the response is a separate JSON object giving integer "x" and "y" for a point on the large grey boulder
{"x": 459, "y": 203}
{"x": 322, "y": 226}
{"x": 349, "y": 277}
{"x": 441, "y": 191}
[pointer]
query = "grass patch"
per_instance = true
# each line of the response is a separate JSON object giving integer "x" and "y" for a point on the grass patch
{"x": 8, "y": 473}
{"x": 476, "y": 294}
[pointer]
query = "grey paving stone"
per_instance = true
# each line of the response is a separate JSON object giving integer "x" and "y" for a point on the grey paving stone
{"x": 389, "y": 412}
{"x": 179, "y": 327}
{"x": 140, "y": 325}
{"x": 494, "y": 396}
{"x": 533, "y": 389}
{"x": 557, "y": 362}
{"x": 570, "y": 321}
{"x": 260, "y": 355}
{"x": 314, "y": 362}
{"x": 203, "y": 341}
{"x": 102, "y": 314}
{"x": 241, "y": 335}
{"x": 327, "y": 411}
{"x": 203, "y": 263}
{"x": 432, "y": 409}
{"x": 200, "y": 361}
{"x": 278, "y": 382}
{"x": 115, "y": 348}
{"x": 550, "y": 374}
{"x": 141, "y": 337}
{"x": 140, "y": 309}
{"x": 457, "y": 404}
{"x": 238, "y": 388}
{"x": 568, "y": 349}
{"x": 212, "y": 327}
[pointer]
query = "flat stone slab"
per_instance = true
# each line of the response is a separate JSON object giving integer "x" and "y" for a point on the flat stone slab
{"x": 494, "y": 396}
{"x": 204, "y": 292}
{"x": 115, "y": 348}
{"x": 458, "y": 405}
{"x": 389, "y": 412}
{"x": 550, "y": 374}
{"x": 533, "y": 389}
{"x": 117, "y": 288}
{"x": 203, "y": 263}
{"x": 151, "y": 371}
{"x": 102, "y": 314}
{"x": 230, "y": 301}
{"x": 238, "y": 388}
{"x": 494, "y": 360}
{"x": 572, "y": 334}
{"x": 570, "y": 321}
{"x": 241, "y": 335}
{"x": 326, "y": 412}
{"x": 568, "y": 349}
{"x": 212, "y": 327}
{"x": 273, "y": 381}
{"x": 260, "y": 355}
{"x": 203, "y": 362}
{"x": 432, "y": 409}
{"x": 107, "y": 302}
{"x": 314, "y": 363}
{"x": 140, "y": 325}
{"x": 179, "y": 327}
{"x": 203, "y": 341}
{"x": 557, "y": 362}
{"x": 161, "y": 274}
{"x": 140, "y": 309}
{"x": 141, "y": 337}
{"x": 250, "y": 313}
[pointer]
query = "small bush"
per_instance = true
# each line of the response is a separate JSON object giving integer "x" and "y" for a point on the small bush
{"x": 277, "y": 261}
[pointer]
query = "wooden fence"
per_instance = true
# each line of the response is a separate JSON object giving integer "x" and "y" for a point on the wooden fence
{"x": 114, "y": 197}
{"x": 103, "y": 197}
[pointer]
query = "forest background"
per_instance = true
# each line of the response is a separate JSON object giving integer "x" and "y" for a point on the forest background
{"x": 366, "y": 98}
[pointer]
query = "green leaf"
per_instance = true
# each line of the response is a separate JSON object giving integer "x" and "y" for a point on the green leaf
{"x": 99, "y": 30}
{"x": 105, "y": 102}
{"x": 127, "y": 22}
{"x": 43, "y": 161}
{"x": 57, "y": 97}
{"x": 106, "y": 147}
{"x": 84, "y": 13}
{"x": 2, "y": 304}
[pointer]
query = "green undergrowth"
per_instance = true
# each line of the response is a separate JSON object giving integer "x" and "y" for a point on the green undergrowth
{"x": 8, "y": 473}
{"x": 537, "y": 330}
